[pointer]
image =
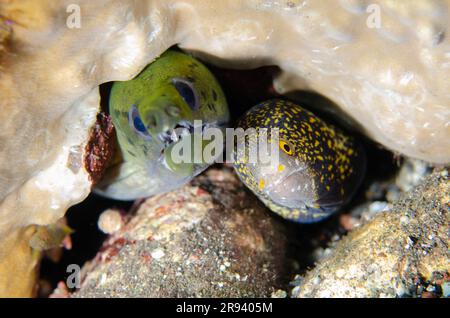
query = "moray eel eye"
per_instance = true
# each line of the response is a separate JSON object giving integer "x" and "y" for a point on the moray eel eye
{"x": 187, "y": 92}
{"x": 136, "y": 123}
{"x": 286, "y": 147}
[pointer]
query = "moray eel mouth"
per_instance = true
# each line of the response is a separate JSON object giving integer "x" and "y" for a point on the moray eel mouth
{"x": 183, "y": 135}
{"x": 181, "y": 129}
{"x": 292, "y": 190}
{"x": 286, "y": 182}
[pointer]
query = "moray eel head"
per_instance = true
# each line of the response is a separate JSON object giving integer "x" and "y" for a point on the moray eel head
{"x": 170, "y": 101}
{"x": 308, "y": 168}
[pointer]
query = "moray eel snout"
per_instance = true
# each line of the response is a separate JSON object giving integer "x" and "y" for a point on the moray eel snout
{"x": 315, "y": 171}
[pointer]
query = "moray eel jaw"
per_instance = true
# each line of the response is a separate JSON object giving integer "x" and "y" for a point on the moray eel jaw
{"x": 292, "y": 189}
{"x": 183, "y": 137}
{"x": 176, "y": 133}
{"x": 283, "y": 179}
{"x": 171, "y": 144}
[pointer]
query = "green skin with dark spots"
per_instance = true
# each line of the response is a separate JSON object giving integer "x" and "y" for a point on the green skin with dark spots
{"x": 146, "y": 167}
{"x": 318, "y": 170}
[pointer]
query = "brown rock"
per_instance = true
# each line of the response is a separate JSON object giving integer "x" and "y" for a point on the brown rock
{"x": 211, "y": 239}
{"x": 401, "y": 252}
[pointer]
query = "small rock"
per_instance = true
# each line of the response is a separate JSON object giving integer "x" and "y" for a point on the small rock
{"x": 446, "y": 289}
{"x": 110, "y": 221}
{"x": 411, "y": 173}
{"x": 279, "y": 294}
{"x": 157, "y": 254}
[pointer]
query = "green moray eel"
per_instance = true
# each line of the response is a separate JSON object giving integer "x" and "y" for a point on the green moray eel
{"x": 318, "y": 166}
{"x": 153, "y": 112}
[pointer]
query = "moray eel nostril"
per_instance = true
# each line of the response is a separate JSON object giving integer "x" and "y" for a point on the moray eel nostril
{"x": 318, "y": 166}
